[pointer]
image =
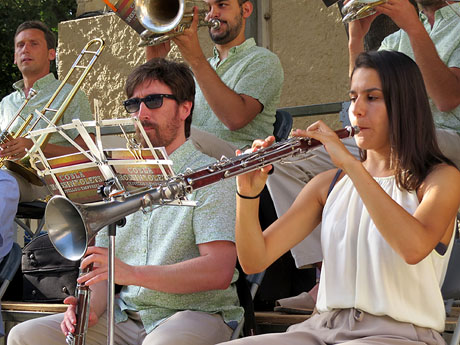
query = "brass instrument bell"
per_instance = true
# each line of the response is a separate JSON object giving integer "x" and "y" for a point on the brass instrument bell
{"x": 357, "y": 9}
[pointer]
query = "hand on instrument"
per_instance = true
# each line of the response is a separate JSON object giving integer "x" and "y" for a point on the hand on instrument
{"x": 188, "y": 42}
{"x": 15, "y": 148}
{"x": 334, "y": 146}
{"x": 100, "y": 257}
{"x": 70, "y": 318}
{"x": 160, "y": 50}
{"x": 403, "y": 13}
{"x": 252, "y": 183}
{"x": 359, "y": 28}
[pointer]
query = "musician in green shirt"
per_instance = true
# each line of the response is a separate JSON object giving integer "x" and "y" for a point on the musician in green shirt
{"x": 176, "y": 264}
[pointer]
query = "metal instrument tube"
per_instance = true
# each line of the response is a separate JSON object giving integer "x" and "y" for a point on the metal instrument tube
{"x": 83, "y": 294}
{"x": 111, "y": 286}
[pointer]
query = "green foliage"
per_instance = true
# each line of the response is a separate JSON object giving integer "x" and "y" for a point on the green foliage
{"x": 13, "y": 13}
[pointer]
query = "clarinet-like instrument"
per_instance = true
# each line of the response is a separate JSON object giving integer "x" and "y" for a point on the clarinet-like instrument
{"x": 83, "y": 294}
{"x": 238, "y": 165}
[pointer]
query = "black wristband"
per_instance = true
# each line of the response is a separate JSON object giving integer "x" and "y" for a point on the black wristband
{"x": 248, "y": 197}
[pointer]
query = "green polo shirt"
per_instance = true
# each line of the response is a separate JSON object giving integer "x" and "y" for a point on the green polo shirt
{"x": 248, "y": 70}
{"x": 171, "y": 234}
{"x": 78, "y": 108}
{"x": 445, "y": 35}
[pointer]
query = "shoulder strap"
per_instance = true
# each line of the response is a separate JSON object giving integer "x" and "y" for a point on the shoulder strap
{"x": 334, "y": 181}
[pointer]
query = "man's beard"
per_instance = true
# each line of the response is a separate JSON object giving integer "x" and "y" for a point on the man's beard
{"x": 230, "y": 34}
{"x": 160, "y": 137}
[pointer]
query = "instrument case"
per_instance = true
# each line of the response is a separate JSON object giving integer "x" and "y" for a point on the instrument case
{"x": 47, "y": 276}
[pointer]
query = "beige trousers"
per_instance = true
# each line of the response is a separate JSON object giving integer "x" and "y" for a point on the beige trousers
{"x": 185, "y": 328}
{"x": 350, "y": 327}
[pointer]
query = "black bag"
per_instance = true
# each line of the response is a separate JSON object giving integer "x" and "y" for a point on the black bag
{"x": 47, "y": 276}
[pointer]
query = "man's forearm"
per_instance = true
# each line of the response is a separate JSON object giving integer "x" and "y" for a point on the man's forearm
{"x": 355, "y": 47}
{"x": 441, "y": 82}
{"x": 234, "y": 110}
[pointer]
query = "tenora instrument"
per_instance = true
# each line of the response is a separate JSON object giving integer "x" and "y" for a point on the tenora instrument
{"x": 357, "y": 9}
{"x": 157, "y": 21}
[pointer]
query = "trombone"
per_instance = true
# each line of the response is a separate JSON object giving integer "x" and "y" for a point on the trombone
{"x": 7, "y": 134}
{"x": 23, "y": 166}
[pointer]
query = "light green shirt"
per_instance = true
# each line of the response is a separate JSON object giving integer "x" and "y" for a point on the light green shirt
{"x": 445, "y": 35}
{"x": 171, "y": 234}
{"x": 79, "y": 108}
{"x": 250, "y": 70}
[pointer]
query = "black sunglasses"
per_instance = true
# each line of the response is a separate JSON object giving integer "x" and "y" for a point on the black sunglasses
{"x": 152, "y": 101}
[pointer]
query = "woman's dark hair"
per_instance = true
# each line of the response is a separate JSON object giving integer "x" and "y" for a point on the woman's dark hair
{"x": 414, "y": 149}
{"x": 177, "y": 76}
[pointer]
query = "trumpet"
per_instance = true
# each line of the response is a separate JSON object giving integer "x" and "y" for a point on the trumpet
{"x": 357, "y": 9}
{"x": 157, "y": 21}
{"x": 23, "y": 166}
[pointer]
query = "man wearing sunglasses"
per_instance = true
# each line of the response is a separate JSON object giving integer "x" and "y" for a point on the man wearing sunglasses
{"x": 238, "y": 89}
{"x": 177, "y": 263}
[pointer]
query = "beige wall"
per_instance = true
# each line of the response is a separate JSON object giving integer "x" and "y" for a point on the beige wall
{"x": 309, "y": 39}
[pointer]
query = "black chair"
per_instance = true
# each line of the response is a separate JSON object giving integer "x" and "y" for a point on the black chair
{"x": 246, "y": 287}
{"x": 31, "y": 210}
{"x": 282, "y": 125}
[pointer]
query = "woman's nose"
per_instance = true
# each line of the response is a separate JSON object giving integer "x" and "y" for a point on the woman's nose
{"x": 358, "y": 107}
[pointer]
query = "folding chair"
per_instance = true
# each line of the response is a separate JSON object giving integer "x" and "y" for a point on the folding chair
{"x": 451, "y": 287}
{"x": 246, "y": 287}
{"x": 283, "y": 125}
{"x": 31, "y": 210}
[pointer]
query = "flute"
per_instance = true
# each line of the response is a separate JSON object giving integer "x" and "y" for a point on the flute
{"x": 83, "y": 294}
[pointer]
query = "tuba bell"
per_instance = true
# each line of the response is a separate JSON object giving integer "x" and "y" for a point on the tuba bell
{"x": 71, "y": 226}
{"x": 357, "y": 9}
{"x": 157, "y": 21}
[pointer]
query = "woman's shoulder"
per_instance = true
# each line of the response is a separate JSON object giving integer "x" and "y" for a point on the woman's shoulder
{"x": 443, "y": 170}
{"x": 323, "y": 182}
{"x": 442, "y": 176}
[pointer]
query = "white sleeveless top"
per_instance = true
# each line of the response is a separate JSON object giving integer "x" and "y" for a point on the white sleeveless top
{"x": 360, "y": 270}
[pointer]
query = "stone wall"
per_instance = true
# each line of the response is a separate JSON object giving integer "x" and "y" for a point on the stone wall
{"x": 308, "y": 37}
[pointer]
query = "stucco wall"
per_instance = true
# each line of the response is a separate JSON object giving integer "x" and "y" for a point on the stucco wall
{"x": 311, "y": 42}
{"x": 121, "y": 54}
{"x": 308, "y": 37}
